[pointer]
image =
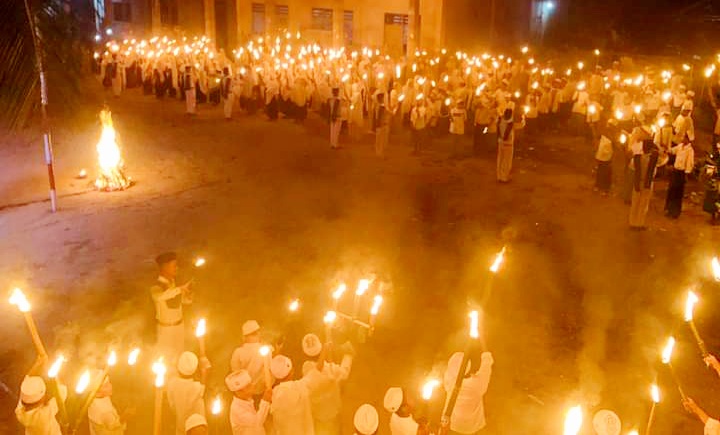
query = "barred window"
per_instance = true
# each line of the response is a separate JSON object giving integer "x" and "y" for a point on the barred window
{"x": 322, "y": 19}
{"x": 348, "y": 27}
{"x": 282, "y": 12}
{"x": 258, "y": 18}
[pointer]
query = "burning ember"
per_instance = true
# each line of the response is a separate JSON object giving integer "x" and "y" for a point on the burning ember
{"x": 112, "y": 176}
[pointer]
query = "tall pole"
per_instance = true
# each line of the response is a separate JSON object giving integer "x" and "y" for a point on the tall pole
{"x": 210, "y": 19}
{"x": 47, "y": 139}
{"x": 414, "y": 27}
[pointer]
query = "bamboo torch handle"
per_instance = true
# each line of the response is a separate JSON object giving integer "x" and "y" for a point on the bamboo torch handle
{"x": 34, "y": 334}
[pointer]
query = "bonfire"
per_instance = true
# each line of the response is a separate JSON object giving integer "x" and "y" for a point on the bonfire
{"x": 112, "y": 175}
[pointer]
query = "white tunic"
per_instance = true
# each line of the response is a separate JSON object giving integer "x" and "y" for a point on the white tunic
{"x": 712, "y": 427}
{"x": 403, "y": 425}
{"x": 185, "y": 397}
{"x": 104, "y": 418}
{"x": 468, "y": 416}
{"x": 245, "y": 419}
{"x": 324, "y": 387}
{"x": 290, "y": 409}
{"x": 40, "y": 420}
{"x": 247, "y": 357}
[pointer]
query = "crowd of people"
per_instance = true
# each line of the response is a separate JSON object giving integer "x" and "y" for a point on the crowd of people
{"x": 640, "y": 119}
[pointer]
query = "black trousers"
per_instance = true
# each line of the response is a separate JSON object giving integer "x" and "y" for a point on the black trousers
{"x": 676, "y": 190}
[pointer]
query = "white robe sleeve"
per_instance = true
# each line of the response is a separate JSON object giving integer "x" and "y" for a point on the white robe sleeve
{"x": 712, "y": 427}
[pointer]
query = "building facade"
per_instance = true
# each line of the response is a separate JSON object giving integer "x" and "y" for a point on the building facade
{"x": 398, "y": 26}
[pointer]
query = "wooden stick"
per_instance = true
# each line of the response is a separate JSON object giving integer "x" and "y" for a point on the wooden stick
{"x": 651, "y": 419}
{"x": 157, "y": 416}
{"x": 34, "y": 334}
{"x": 698, "y": 339}
{"x": 88, "y": 400}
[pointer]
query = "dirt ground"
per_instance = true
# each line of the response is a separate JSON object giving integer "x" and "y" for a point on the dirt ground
{"x": 578, "y": 313}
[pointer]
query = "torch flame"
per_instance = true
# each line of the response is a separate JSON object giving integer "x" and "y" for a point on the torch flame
{"x": 499, "y": 258}
{"x": 83, "y": 382}
{"x": 18, "y": 299}
{"x": 330, "y": 317}
{"x": 655, "y": 393}
{"x": 668, "y": 350}
{"x": 376, "y": 305}
{"x": 133, "y": 356}
{"x": 159, "y": 369}
{"x": 692, "y": 299}
{"x": 573, "y": 420}
{"x": 111, "y": 175}
{"x": 294, "y": 305}
{"x": 199, "y": 262}
{"x": 217, "y": 406}
{"x": 201, "y": 328}
{"x": 474, "y": 324}
{"x": 337, "y": 294}
{"x": 362, "y": 287}
{"x": 56, "y": 366}
{"x": 264, "y": 350}
{"x": 428, "y": 388}
{"x": 112, "y": 359}
{"x": 715, "y": 268}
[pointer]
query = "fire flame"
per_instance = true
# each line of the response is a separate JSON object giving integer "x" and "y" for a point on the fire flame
{"x": 655, "y": 393}
{"x": 112, "y": 359}
{"x": 264, "y": 350}
{"x": 83, "y": 382}
{"x": 362, "y": 287}
{"x": 337, "y": 294}
{"x": 573, "y": 420}
{"x": 112, "y": 176}
{"x": 201, "y": 328}
{"x": 18, "y": 299}
{"x": 294, "y": 305}
{"x": 330, "y": 317}
{"x": 499, "y": 258}
{"x": 715, "y": 263}
{"x": 428, "y": 388}
{"x": 668, "y": 350}
{"x": 159, "y": 369}
{"x": 376, "y": 305}
{"x": 199, "y": 262}
{"x": 692, "y": 299}
{"x": 56, "y": 366}
{"x": 217, "y": 406}
{"x": 133, "y": 356}
{"x": 474, "y": 324}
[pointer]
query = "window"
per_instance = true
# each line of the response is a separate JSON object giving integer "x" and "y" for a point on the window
{"x": 168, "y": 12}
{"x": 121, "y": 12}
{"x": 258, "y": 18}
{"x": 399, "y": 20}
{"x": 281, "y": 16}
{"x": 348, "y": 27}
{"x": 322, "y": 19}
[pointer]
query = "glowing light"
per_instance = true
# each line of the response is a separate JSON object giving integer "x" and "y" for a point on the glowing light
{"x": 18, "y": 299}
{"x": 377, "y": 301}
{"x": 56, "y": 366}
{"x": 83, "y": 382}
{"x": 160, "y": 370}
{"x": 499, "y": 258}
{"x": 265, "y": 350}
{"x": 111, "y": 165}
{"x": 655, "y": 393}
{"x": 474, "y": 324}
{"x": 112, "y": 359}
{"x": 619, "y": 114}
{"x": 692, "y": 299}
{"x": 330, "y": 317}
{"x": 428, "y": 388}
{"x": 199, "y": 262}
{"x": 294, "y": 305}
{"x": 133, "y": 356}
{"x": 337, "y": 294}
{"x": 573, "y": 421}
{"x": 362, "y": 287}
{"x": 217, "y": 406}
{"x": 201, "y": 328}
{"x": 715, "y": 264}
{"x": 668, "y": 350}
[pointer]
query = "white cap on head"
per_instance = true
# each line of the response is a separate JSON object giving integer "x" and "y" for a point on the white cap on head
{"x": 687, "y": 105}
{"x": 280, "y": 367}
{"x": 453, "y": 369}
{"x": 32, "y": 389}
{"x": 606, "y": 422}
{"x": 250, "y": 327}
{"x": 366, "y": 420}
{"x": 194, "y": 421}
{"x": 238, "y": 380}
{"x": 311, "y": 345}
{"x": 393, "y": 399}
{"x": 187, "y": 363}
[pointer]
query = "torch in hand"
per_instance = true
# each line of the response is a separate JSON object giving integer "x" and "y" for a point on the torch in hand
{"x": 216, "y": 410}
{"x": 692, "y": 299}
{"x": 337, "y": 294}
{"x": 83, "y": 384}
{"x": 160, "y": 370}
{"x": 655, "y": 396}
{"x": 667, "y": 360}
{"x": 473, "y": 335}
{"x": 329, "y": 321}
{"x": 715, "y": 264}
{"x": 200, "y": 331}
{"x": 494, "y": 269}
{"x": 266, "y": 353}
{"x": 55, "y": 388}
{"x": 18, "y": 299}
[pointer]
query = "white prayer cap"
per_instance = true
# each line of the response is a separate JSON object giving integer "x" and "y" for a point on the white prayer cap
{"x": 393, "y": 399}
{"x": 238, "y": 380}
{"x": 250, "y": 327}
{"x": 687, "y": 105}
{"x": 32, "y": 389}
{"x": 311, "y": 345}
{"x": 453, "y": 369}
{"x": 280, "y": 367}
{"x": 187, "y": 363}
{"x": 366, "y": 420}
{"x": 194, "y": 421}
{"x": 690, "y": 93}
{"x": 606, "y": 422}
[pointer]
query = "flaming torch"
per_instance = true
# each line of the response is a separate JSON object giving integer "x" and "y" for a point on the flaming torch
{"x": 715, "y": 264}
{"x": 217, "y": 406}
{"x": 362, "y": 287}
{"x": 83, "y": 384}
{"x": 159, "y": 369}
{"x": 655, "y": 396}
{"x": 374, "y": 310}
{"x": 494, "y": 269}
{"x": 473, "y": 335}
{"x": 112, "y": 176}
{"x": 200, "y": 331}
{"x": 429, "y": 388}
{"x": 329, "y": 320}
{"x": 294, "y": 305}
{"x": 133, "y": 356}
{"x": 667, "y": 360}
{"x": 573, "y": 421}
{"x": 499, "y": 258}
{"x": 692, "y": 299}
{"x": 337, "y": 294}
{"x": 55, "y": 387}
{"x": 18, "y": 299}
{"x": 266, "y": 353}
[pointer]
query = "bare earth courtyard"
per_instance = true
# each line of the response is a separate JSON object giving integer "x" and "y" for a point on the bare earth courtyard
{"x": 578, "y": 314}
